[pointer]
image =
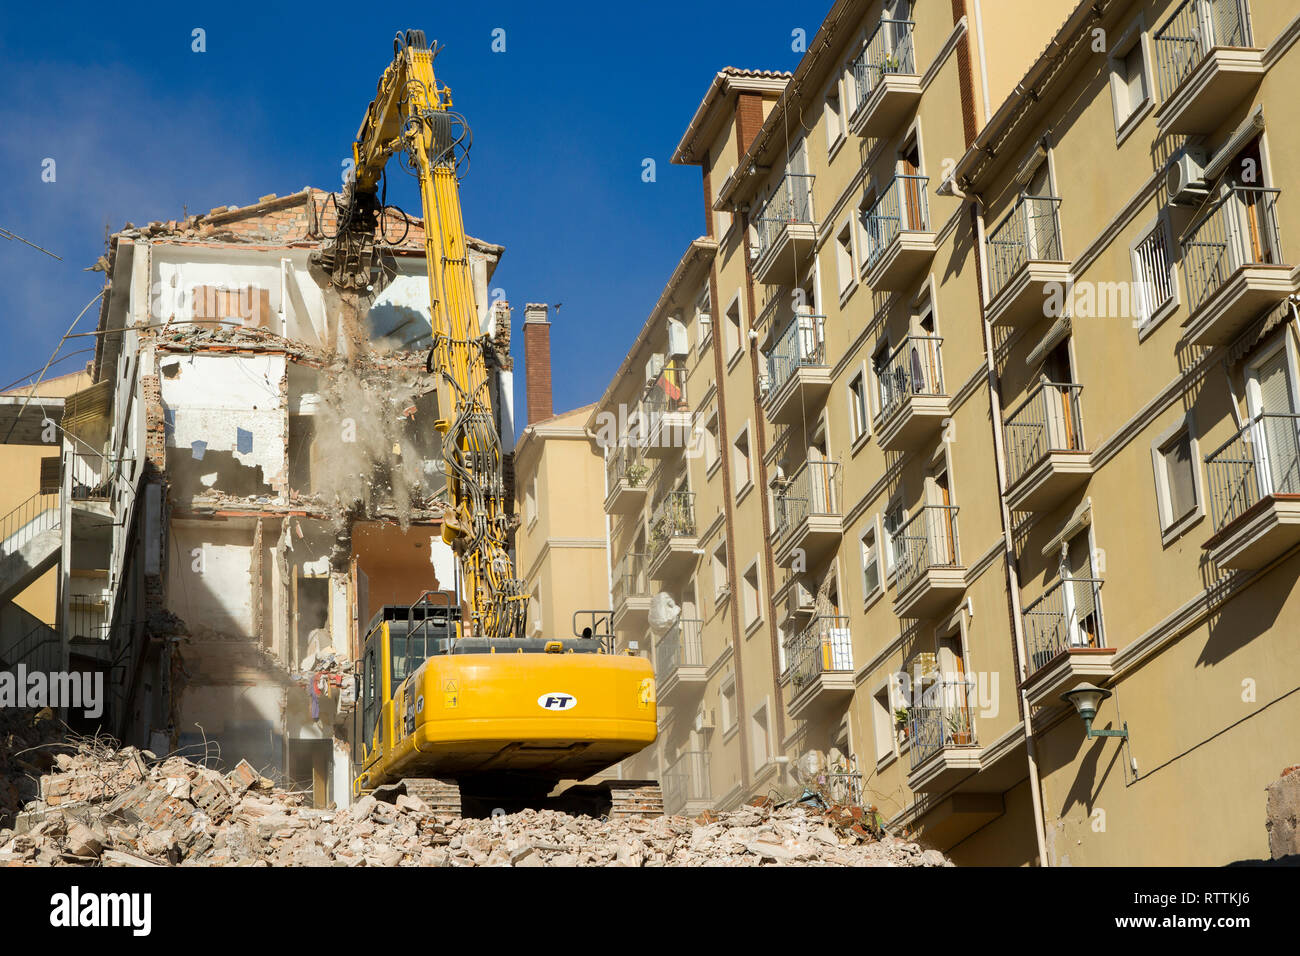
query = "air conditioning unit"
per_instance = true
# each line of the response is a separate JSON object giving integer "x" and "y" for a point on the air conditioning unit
{"x": 1185, "y": 178}
{"x": 654, "y": 366}
{"x": 802, "y": 599}
{"x": 705, "y": 719}
{"x": 678, "y": 344}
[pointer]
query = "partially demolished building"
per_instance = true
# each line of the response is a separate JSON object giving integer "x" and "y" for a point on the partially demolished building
{"x": 263, "y": 455}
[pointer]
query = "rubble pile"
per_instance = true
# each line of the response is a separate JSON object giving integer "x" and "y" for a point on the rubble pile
{"x": 126, "y": 807}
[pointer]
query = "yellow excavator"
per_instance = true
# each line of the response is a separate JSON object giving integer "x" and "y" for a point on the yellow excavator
{"x": 454, "y": 704}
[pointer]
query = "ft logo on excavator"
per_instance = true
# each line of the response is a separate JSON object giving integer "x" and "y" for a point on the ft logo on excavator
{"x": 556, "y": 701}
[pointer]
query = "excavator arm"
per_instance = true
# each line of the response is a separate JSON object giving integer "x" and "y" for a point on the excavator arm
{"x": 412, "y": 115}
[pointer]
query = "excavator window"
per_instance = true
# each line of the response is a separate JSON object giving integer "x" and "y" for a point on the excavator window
{"x": 370, "y": 686}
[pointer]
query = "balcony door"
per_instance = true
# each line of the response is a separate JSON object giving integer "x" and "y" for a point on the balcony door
{"x": 1040, "y": 214}
{"x": 909, "y": 166}
{"x": 821, "y": 489}
{"x": 956, "y": 690}
{"x": 1062, "y": 417}
{"x": 940, "y": 530}
{"x": 1079, "y": 592}
{"x": 1256, "y": 205}
{"x": 1271, "y": 401}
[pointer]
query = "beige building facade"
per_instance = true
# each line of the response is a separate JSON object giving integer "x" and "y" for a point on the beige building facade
{"x": 978, "y": 386}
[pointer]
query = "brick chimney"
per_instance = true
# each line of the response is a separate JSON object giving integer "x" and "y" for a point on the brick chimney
{"x": 537, "y": 361}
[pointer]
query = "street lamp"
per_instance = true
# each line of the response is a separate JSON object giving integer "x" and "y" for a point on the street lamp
{"x": 1086, "y": 698}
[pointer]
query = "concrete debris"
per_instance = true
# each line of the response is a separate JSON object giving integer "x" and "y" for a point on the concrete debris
{"x": 108, "y": 806}
{"x": 1282, "y": 810}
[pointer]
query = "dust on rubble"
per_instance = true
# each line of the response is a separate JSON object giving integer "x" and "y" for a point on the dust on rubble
{"x": 100, "y": 805}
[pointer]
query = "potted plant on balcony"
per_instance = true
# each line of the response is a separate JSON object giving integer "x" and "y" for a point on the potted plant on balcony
{"x": 903, "y": 720}
{"x": 636, "y": 473}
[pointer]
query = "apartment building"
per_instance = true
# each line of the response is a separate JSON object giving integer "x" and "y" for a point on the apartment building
{"x": 253, "y": 474}
{"x": 932, "y": 427}
{"x": 31, "y": 515}
{"x": 559, "y": 482}
{"x": 1140, "y": 293}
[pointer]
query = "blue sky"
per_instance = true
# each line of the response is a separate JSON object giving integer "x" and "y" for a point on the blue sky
{"x": 141, "y": 127}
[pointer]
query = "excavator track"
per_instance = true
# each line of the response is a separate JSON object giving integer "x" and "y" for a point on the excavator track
{"x": 440, "y": 794}
{"x": 635, "y": 800}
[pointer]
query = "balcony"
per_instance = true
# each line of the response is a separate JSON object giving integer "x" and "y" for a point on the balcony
{"x": 807, "y": 512}
{"x": 819, "y": 666}
{"x": 1065, "y": 640}
{"x": 1254, "y": 482}
{"x": 927, "y": 559}
{"x": 686, "y": 784}
{"x": 944, "y": 748}
{"x": 679, "y": 660}
{"x": 886, "y": 85}
{"x": 673, "y": 540}
{"x": 625, "y": 477}
{"x": 667, "y": 414}
{"x": 913, "y": 400}
{"x": 787, "y": 231}
{"x": 1026, "y": 263}
{"x": 1046, "y": 456}
{"x": 1233, "y": 265}
{"x": 631, "y": 592}
{"x": 798, "y": 377}
{"x": 1205, "y": 65}
{"x": 900, "y": 241}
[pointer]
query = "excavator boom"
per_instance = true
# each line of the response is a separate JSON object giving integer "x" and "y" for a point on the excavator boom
{"x": 411, "y": 114}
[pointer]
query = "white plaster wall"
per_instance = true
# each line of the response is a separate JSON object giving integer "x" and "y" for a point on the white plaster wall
{"x": 210, "y": 578}
{"x": 213, "y": 395}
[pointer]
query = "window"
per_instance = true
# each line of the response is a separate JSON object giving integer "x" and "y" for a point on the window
{"x": 1153, "y": 274}
{"x": 857, "y": 407}
{"x": 710, "y": 440}
{"x": 834, "y": 118}
{"x": 750, "y": 595}
{"x": 740, "y": 461}
{"x": 870, "y": 564}
{"x": 720, "y": 582}
{"x": 894, "y": 517}
{"x": 880, "y": 372}
{"x": 703, "y": 319}
{"x": 530, "y": 501}
{"x": 727, "y": 701}
{"x": 1174, "y": 456}
{"x": 762, "y": 749}
{"x": 882, "y": 720}
{"x": 1128, "y": 77}
{"x": 844, "y": 258}
{"x": 733, "y": 328}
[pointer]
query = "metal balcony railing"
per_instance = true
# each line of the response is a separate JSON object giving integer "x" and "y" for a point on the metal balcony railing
{"x": 686, "y": 780}
{"x": 789, "y": 205}
{"x": 87, "y": 618}
{"x": 812, "y": 490}
{"x": 801, "y": 345}
{"x": 625, "y": 464}
{"x": 824, "y": 647}
{"x": 1047, "y": 420}
{"x": 681, "y": 646}
{"x": 889, "y": 50}
{"x": 1240, "y": 229}
{"x": 903, "y": 206}
{"x": 1195, "y": 28}
{"x": 674, "y": 518}
{"x": 1032, "y": 232}
{"x": 1260, "y": 460}
{"x": 926, "y": 540}
{"x": 1067, "y": 615}
{"x": 667, "y": 393}
{"x": 40, "y": 649}
{"x": 914, "y": 368}
{"x": 37, "y": 514}
{"x": 631, "y": 579}
{"x": 947, "y": 723}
